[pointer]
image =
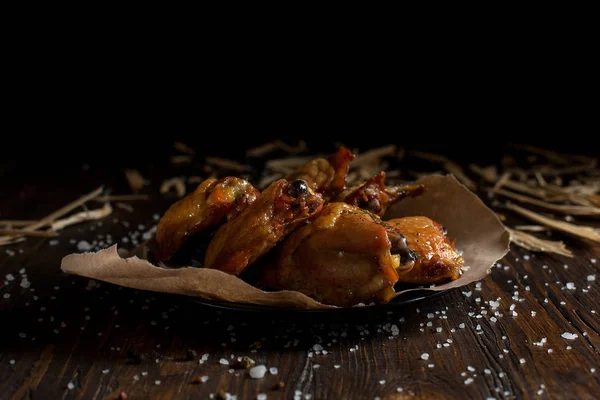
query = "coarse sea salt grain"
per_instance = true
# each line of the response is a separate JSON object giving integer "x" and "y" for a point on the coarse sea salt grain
{"x": 261, "y": 396}
{"x": 570, "y": 286}
{"x": 223, "y": 361}
{"x": 273, "y": 371}
{"x": 317, "y": 347}
{"x": 569, "y": 336}
{"x": 70, "y": 386}
{"x": 258, "y": 372}
{"x": 591, "y": 278}
{"x": 425, "y": 356}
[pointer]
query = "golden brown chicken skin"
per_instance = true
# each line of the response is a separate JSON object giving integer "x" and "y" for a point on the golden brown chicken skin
{"x": 375, "y": 197}
{"x": 436, "y": 259}
{"x": 278, "y": 210}
{"x": 326, "y": 176}
{"x": 208, "y": 206}
{"x": 343, "y": 257}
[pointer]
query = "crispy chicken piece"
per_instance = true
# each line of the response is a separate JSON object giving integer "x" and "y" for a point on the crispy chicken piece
{"x": 375, "y": 197}
{"x": 278, "y": 211}
{"x": 208, "y": 206}
{"x": 327, "y": 177}
{"x": 436, "y": 259}
{"x": 345, "y": 256}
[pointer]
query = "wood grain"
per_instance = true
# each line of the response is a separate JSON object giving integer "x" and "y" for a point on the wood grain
{"x": 74, "y": 339}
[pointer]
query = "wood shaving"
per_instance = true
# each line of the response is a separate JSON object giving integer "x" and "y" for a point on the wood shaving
{"x": 438, "y": 158}
{"x": 225, "y": 163}
{"x": 533, "y": 243}
{"x": 56, "y": 214}
{"x": 503, "y": 179}
{"x": 184, "y": 148}
{"x": 267, "y": 180}
{"x": 124, "y": 206}
{"x": 135, "y": 179}
{"x": 489, "y": 173}
{"x": 532, "y": 228}
{"x": 572, "y": 229}
{"x": 122, "y": 197}
{"x": 564, "y": 209}
{"x": 457, "y": 171}
{"x": 373, "y": 155}
{"x": 174, "y": 183}
{"x": 25, "y": 232}
{"x": 16, "y": 223}
{"x": 181, "y": 159}
{"x": 292, "y": 149}
{"x": 262, "y": 150}
{"x": 195, "y": 179}
{"x": 289, "y": 162}
{"x": 82, "y": 216}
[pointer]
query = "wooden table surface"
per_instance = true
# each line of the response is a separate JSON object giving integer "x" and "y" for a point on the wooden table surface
{"x": 66, "y": 337}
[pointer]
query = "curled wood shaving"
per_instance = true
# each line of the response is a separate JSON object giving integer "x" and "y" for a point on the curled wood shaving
{"x": 135, "y": 179}
{"x": 184, "y": 148}
{"x": 533, "y": 243}
{"x": 572, "y": 229}
{"x": 532, "y": 228}
{"x": 225, "y": 163}
{"x": 177, "y": 183}
{"x": 373, "y": 155}
{"x": 25, "y": 232}
{"x": 56, "y": 214}
{"x": 82, "y": 216}
{"x": 564, "y": 209}
{"x": 181, "y": 159}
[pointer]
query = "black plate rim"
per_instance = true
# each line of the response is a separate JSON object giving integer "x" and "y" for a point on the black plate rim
{"x": 405, "y": 299}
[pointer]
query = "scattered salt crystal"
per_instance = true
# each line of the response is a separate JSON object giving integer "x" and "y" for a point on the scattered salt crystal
{"x": 424, "y": 356}
{"x": 70, "y": 386}
{"x": 569, "y": 336}
{"x": 53, "y": 242}
{"x": 592, "y": 370}
{"x": 84, "y": 246}
{"x": 204, "y": 379}
{"x": 399, "y": 390}
{"x": 258, "y": 371}
{"x": 317, "y": 347}
{"x": 382, "y": 382}
{"x": 512, "y": 307}
{"x": 468, "y": 381}
{"x": 22, "y": 335}
{"x": 10, "y": 277}
{"x": 6, "y": 295}
{"x": 106, "y": 371}
{"x": 430, "y": 315}
{"x": 261, "y": 396}
{"x": 12, "y": 362}
{"x": 487, "y": 371}
{"x": 522, "y": 361}
{"x": 467, "y": 294}
{"x": 494, "y": 304}
{"x": 157, "y": 382}
{"x": 591, "y": 278}
{"x": 273, "y": 371}
{"x": 570, "y": 285}
{"x": 471, "y": 369}
{"x": 461, "y": 326}
{"x": 223, "y": 361}
{"x": 336, "y": 366}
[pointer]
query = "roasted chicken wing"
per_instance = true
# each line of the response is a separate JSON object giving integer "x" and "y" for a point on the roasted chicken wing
{"x": 326, "y": 176}
{"x": 436, "y": 259}
{"x": 208, "y": 206}
{"x": 375, "y": 197}
{"x": 278, "y": 210}
{"x": 345, "y": 256}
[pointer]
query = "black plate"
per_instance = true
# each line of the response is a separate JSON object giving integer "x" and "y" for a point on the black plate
{"x": 405, "y": 299}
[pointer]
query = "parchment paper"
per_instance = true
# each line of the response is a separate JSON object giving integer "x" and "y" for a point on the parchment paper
{"x": 477, "y": 230}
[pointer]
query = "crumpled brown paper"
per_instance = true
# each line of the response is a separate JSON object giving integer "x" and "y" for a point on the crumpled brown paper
{"x": 477, "y": 230}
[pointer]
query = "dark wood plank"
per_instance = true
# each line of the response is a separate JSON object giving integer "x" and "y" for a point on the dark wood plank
{"x": 69, "y": 338}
